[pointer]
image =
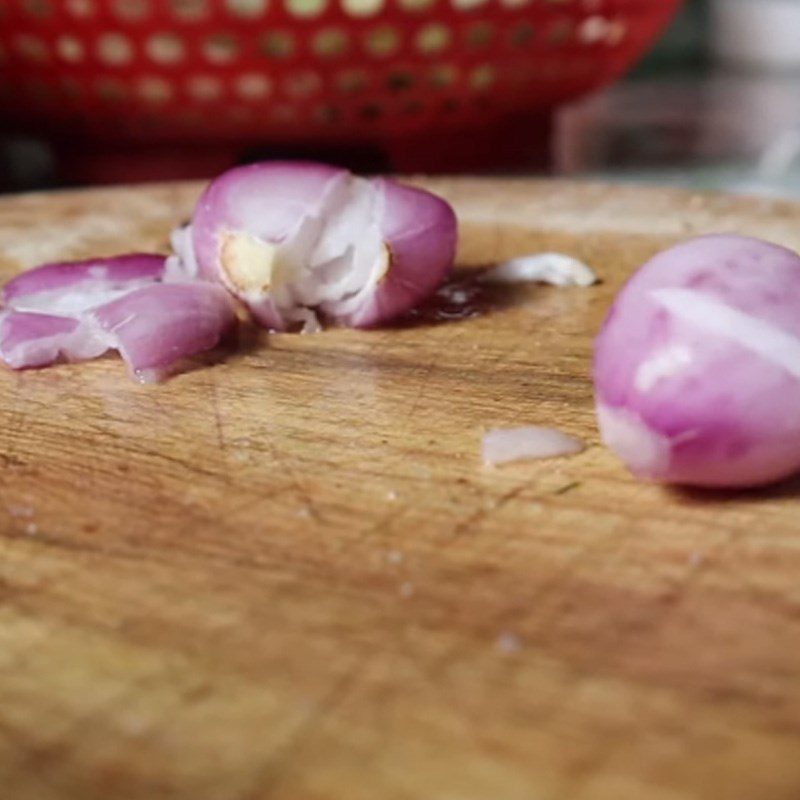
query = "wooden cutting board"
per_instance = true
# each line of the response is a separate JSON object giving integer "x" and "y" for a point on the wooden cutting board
{"x": 286, "y": 574}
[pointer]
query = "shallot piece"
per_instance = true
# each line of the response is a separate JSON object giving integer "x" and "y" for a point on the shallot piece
{"x": 38, "y": 340}
{"x": 156, "y": 326}
{"x": 72, "y": 287}
{"x": 75, "y": 311}
{"x": 299, "y": 242}
{"x": 697, "y": 367}
{"x": 504, "y": 445}
{"x": 556, "y": 269}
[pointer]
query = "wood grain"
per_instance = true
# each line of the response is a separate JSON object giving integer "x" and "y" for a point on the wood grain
{"x": 285, "y": 574}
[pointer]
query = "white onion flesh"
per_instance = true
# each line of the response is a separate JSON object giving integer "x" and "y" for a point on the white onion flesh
{"x": 555, "y": 269}
{"x": 505, "y": 445}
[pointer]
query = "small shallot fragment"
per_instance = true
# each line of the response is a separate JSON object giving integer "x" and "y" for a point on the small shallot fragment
{"x": 297, "y": 242}
{"x": 556, "y": 269}
{"x": 697, "y": 367}
{"x": 155, "y": 326}
{"x": 504, "y": 445}
{"x": 71, "y": 287}
{"x": 74, "y": 311}
{"x": 29, "y": 339}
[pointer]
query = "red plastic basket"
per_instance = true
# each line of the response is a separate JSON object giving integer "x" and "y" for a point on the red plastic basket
{"x": 247, "y": 71}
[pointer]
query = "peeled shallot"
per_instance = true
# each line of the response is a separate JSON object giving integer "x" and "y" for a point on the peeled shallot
{"x": 302, "y": 242}
{"x": 697, "y": 368}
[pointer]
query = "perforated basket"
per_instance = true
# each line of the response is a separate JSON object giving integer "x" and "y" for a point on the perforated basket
{"x": 338, "y": 70}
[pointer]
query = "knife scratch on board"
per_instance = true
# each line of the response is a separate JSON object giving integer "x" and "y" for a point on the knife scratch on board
{"x": 217, "y": 416}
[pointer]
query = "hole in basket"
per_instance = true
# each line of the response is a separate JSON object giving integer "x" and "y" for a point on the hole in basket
{"x": 283, "y": 113}
{"x": 31, "y": 48}
{"x": 302, "y": 84}
{"x": 382, "y": 41}
{"x": 38, "y": 8}
{"x": 468, "y": 5}
{"x": 70, "y": 49}
{"x": 521, "y": 34}
{"x": 277, "y": 44}
{"x": 443, "y": 75}
{"x": 362, "y": 8}
{"x": 370, "y": 112}
{"x": 450, "y": 105}
{"x": 80, "y": 8}
{"x": 70, "y": 88}
{"x": 165, "y": 48}
{"x": 111, "y": 90}
{"x": 482, "y": 77}
{"x": 327, "y": 115}
{"x": 204, "y": 88}
{"x": 617, "y": 32}
{"x": 399, "y": 81}
{"x": 479, "y": 35}
{"x": 114, "y": 49}
{"x": 189, "y": 10}
{"x": 253, "y": 86}
{"x": 433, "y": 38}
{"x": 38, "y": 91}
{"x": 247, "y": 9}
{"x": 416, "y": 5}
{"x": 221, "y": 48}
{"x": 241, "y": 115}
{"x": 560, "y": 32}
{"x": 154, "y": 90}
{"x": 412, "y": 108}
{"x": 131, "y": 10}
{"x": 593, "y": 30}
{"x": 305, "y": 8}
{"x": 151, "y": 122}
{"x": 189, "y": 118}
{"x": 330, "y": 43}
{"x": 351, "y": 81}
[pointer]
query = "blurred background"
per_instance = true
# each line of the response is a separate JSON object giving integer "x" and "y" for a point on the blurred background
{"x": 700, "y": 93}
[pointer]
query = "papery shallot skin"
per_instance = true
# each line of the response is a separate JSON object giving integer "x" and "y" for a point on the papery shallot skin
{"x": 272, "y": 201}
{"x": 697, "y": 366}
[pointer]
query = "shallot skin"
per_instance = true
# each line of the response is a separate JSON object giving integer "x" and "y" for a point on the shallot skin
{"x": 697, "y": 366}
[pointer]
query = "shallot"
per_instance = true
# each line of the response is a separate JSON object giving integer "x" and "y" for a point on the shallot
{"x": 697, "y": 367}
{"x": 298, "y": 242}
